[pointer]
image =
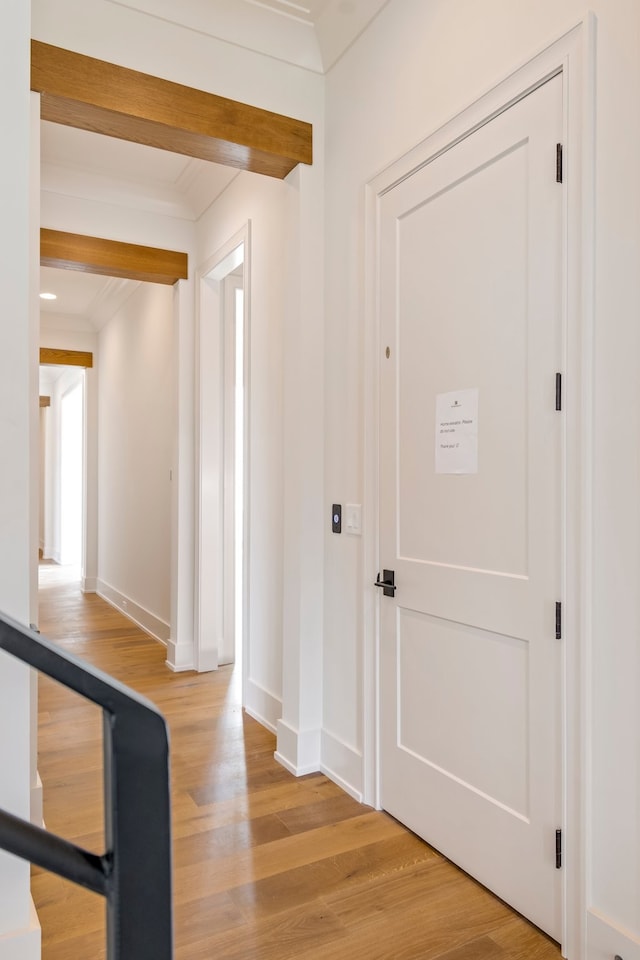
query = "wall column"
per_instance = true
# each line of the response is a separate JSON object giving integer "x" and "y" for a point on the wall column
{"x": 90, "y": 568}
{"x": 299, "y": 729}
{"x": 180, "y": 647}
{"x": 19, "y": 478}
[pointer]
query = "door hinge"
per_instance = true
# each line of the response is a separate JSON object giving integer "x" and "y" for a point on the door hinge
{"x": 558, "y": 849}
{"x": 558, "y": 620}
{"x": 558, "y": 391}
{"x": 558, "y": 163}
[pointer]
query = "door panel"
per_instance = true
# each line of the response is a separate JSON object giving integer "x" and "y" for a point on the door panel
{"x": 470, "y": 300}
{"x": 490, "y": 757}
{"x": 451, "y": 336}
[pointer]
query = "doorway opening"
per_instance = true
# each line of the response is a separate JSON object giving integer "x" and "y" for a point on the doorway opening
{"x": 233, "y": 470}
{"x": 62, "y": 494}
{"x": 238, "y": 539}
{"x": 222, "y": 577}
{"x": 71, "y": 450}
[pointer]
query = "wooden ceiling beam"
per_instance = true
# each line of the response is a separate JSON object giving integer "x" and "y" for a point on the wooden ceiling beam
{"x": 111, "y": 258}
{"x": 80, "y": 91}
{"x": 66, "y": 358}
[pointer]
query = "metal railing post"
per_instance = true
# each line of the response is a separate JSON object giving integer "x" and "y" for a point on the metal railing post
{"x": 134, "y": 874}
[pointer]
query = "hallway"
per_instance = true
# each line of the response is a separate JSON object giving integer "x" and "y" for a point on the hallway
{"x": 264, "y": 865}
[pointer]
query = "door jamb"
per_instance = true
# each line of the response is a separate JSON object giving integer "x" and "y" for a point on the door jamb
{"x": 209, "y": 562}
{"x": 573, "y": 55}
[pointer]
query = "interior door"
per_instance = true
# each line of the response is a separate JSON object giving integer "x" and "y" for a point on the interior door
{"x": 471, "y": 452}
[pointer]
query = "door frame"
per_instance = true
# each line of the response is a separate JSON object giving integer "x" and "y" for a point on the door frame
{"x": 211, "y": 573}
{"x": 79, "y": 383}
{"x": 573, "y": 56}
{"x": 70, "y": 357}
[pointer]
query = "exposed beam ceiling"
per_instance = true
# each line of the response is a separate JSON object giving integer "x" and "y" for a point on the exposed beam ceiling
{"x": 111, "y": 258}
{"x": 91, "y": 94}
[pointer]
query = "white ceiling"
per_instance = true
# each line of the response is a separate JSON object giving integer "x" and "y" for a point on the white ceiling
{"x": 83, "y": 300}
{"x": 75, "y": 163}
{"x": 308, "y": 33}
{"x": 88, "y": 166}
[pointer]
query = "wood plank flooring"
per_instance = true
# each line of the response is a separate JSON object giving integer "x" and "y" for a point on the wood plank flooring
{"x": 265, "y": 865}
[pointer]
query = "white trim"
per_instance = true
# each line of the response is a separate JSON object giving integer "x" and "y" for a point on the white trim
{"x": 580, "y": 121}
{"x": 23, "y": 944}
{"x": 36, "y": 804}
{"x": 230, "y": 286}
{"x": 605, "y": 938}
{"x": 573, "y": 54}
{"x": 179, "y": 657}
{"x": 298, "y": 750}
{"x": 142, "y": 617}
{"x": 342, "y": 763}
{"x": 209, "y": 561}
{"x": 89, "y": 584}
{"x": 262, "y": 705}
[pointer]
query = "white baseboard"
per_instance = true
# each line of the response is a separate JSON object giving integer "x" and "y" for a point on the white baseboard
{"x": 89, "y": 585}
{"x": 262, "y": 705}
{"x": 36, "y": 808}
{"x": 342, "y": 764}
{"x": 140, "y": 616}
{"x": 606, "y": 939}
{"x": 208, "y": 660}
{"x": 298, "y": 750}
{"x": 179, "y": 656}
{"x": 23, "y": 944}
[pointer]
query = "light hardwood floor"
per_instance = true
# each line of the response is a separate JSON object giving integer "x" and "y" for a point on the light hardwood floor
{"x": 265, "y": 865}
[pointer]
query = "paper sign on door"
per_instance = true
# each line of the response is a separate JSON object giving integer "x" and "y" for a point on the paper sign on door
{"x": 457, "y": 432}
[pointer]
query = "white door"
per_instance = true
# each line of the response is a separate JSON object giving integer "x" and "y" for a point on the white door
{"x": 471, "y": 455}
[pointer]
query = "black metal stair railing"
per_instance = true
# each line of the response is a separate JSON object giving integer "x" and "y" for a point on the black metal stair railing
{"x": 134, "y": 874}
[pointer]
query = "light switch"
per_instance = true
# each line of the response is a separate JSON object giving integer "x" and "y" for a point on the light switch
{"x": 353, "y": 518}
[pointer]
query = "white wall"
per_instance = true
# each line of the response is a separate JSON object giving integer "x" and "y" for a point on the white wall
{"x": 19, "y": 443}
{"x": 417, "y": 66}
{"x": 135, "y": 429}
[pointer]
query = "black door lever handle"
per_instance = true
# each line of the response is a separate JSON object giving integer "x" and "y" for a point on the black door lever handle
{"x": 388, "y": 583}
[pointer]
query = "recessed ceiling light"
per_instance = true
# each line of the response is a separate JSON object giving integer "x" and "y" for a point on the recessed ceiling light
{"x": 48, "y": 296}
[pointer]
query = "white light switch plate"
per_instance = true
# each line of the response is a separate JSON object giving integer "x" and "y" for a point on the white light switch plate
{"x": 353, "y": 518}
